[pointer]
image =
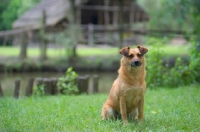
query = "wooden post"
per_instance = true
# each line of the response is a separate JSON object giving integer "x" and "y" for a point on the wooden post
{"x": 106, "y": 13}
{"x": 54, "y": 86}
{"x": 5, "y": 40}
{"x": 115, "y": 17}
{"x": 73, "y": 23}
{"x": 90, "y": 34}
{"x": 78, "y": 15}
{"x": 83, "y": 83}
{"x": 121, "y": 38}
{"x": 1, "y": 91}
{"x": 44, "y": 41}
{"x": 23, "y": 44}
{"x": 95, "y": 84}
{"x": 17, "y": 88}
{"x": 131, "y": 13}
{"x": 39, "y": 81}
{"x": 106, "y": 19}
{"x": 137, "y": 15}
{"x": 115, "y": 24}
{"x": 47, "y": 86}
{"x": 29, "y": 87}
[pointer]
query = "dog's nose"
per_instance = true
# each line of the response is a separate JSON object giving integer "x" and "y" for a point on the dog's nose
{"x": 135, "y": 63}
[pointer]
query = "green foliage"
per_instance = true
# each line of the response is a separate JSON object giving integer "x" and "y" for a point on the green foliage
{"x": 179, "y": 75}
{"x": 159, "y": 75}
{"x": 3, "y": 6}
{"x": 195, "y": 59}
{"x": 67, "y": 84}
{"x": 170, "y": 14}
{"x": 63, "y": 39}
{"x": 167, "y": 110}
{"x": 39, "y": 90}
{"x": 155, "y": 66}
{"x": 13, "y": 10}
{"x": 195, "y": 4}
{"x": 195, "y": 48}
{"x": 11, "y": 13}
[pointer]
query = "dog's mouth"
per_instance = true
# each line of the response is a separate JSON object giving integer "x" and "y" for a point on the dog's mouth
{"x": 136, "y": 63}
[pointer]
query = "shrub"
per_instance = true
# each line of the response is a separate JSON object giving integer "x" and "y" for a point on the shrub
{"x": 179, "y": 75}
{"x": 194, "y": 65}
{"x": 67, "y": 84}
{"x": 159, "y": 75}
{"x": 39, "y": 90}
{"x": 155, "y": 66}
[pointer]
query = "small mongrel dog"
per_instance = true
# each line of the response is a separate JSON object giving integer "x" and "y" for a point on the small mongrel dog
{"x": 127, "y": 93}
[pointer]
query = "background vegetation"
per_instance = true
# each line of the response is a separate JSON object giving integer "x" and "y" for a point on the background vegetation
{"x": 10, "y": 10}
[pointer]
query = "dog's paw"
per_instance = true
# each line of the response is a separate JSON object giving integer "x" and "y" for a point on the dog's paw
{"x": 125, "y": 122}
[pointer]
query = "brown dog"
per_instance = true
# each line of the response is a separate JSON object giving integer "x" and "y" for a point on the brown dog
{"x": 127, "y": 93}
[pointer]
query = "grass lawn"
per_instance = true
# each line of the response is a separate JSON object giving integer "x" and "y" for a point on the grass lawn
{"x": 57, "y": 52}
{"x": 165, "y": 110}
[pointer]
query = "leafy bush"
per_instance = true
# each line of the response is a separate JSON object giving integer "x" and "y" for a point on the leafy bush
{"x": 159, "y": 75}
{"x": 179, "y": 75}
{"x": 14, "y": 9}
{"x": 39, "y": 90}
{"x": 155, "y": 66}
{"x": 67, "y": 84}
{"x": 194, "y": 65}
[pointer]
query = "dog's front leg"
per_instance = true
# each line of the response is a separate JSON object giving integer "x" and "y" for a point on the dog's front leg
{"x": 123, "y": 110}
{"x": 141, "y": 109}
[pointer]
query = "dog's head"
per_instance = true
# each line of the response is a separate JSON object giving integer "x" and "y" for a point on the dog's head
{"x": 135, "y": 57}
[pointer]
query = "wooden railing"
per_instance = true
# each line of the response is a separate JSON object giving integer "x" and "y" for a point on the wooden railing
{"x": 50, "y": 86}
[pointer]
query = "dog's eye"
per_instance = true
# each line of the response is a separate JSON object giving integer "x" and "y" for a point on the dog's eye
{"x": 130, "y": 56}
{"x": 139, "y": 55}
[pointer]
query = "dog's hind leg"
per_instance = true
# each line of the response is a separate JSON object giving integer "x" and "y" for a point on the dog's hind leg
{"x": 133, "y": 114}
{"x": 108, "y": 112}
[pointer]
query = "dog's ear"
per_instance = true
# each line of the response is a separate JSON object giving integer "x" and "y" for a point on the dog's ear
{"x": 142, "y": 49}
{"x": 124, "y": 51}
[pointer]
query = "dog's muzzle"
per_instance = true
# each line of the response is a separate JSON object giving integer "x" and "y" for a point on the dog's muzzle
{"x": 136, "y": 63}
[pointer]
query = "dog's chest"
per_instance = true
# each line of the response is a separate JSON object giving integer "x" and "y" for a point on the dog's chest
{"x": 132, "y": 96}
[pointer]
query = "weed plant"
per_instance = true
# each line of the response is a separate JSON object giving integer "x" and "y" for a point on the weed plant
{"x": 38, "y": 90}
{"x": 67, "y": 84}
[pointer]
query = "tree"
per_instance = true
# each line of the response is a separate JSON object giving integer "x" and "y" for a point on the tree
{"x": 14, "y": 9}
{"x": 3, "y": 6}
{"x": 169, "y": 14}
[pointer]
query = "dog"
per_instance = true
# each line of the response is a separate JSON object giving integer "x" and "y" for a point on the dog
{"x": 126, "y": 96}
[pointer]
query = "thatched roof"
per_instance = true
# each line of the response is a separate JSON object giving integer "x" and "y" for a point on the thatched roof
{"x": 56, "y": 11}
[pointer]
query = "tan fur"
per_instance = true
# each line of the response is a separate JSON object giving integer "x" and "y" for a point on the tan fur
{"x": 127, "y": 93}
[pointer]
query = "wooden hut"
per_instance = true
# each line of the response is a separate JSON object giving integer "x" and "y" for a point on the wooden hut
{"x": 97, "y": 12}
{"x": 56, "y": 15}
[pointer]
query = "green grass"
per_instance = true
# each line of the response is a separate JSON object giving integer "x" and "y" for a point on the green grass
{"x": 165, "y": 110}
{"x": 59, "y": 52}
{"x": 52, "y": 52}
